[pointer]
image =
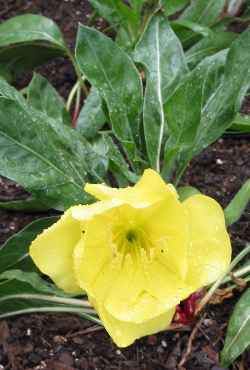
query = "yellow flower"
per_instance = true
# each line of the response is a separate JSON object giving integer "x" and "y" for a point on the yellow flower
{"x": 137, "y": 252}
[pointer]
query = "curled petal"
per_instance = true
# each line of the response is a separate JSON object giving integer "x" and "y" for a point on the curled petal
{"x": 53, "y": 249}
{"x": 125, "y": 333}
{"x": 85, "y": 213}
{"x": 210, "y": 249}
{"x": 149, "y": 189}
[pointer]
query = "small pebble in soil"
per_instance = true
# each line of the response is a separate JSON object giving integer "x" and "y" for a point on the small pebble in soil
{"x": 164, "y": 343}
{"x": 219, "y": 161}
{"x": 28, "y": 332}
{"x": 59, "y": 339}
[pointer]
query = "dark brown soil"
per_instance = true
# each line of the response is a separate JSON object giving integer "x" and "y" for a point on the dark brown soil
{"x": 64, "y": 342}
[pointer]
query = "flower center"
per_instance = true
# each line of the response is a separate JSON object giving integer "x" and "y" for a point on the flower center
{"x": 131, "y": 236}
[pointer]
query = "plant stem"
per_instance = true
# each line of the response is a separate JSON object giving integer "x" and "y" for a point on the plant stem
{"x": 58, "y": 309}
{"x": 238, "y": 273}
{"x": 81, "y": 78}
{"x": 71, "y": 96}
{"x": 48, "y": 298}
{"x": 77, "y": 107}
{"x": 224, "y": 277}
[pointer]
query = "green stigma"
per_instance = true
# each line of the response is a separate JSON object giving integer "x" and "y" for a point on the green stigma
{"x": 131, "y": 236}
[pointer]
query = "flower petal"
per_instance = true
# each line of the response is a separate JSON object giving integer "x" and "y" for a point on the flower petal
{"x": 125, "y": 333}
{"x": 53, "y": 249}
{"x": 149, "y": 189}
{"x": 92, "y": 255}
{"x": 85, "y": 213}
{"x": 210, "y": 248}
{"x": 141, "y": 293}
{"x": 166, "y": 223}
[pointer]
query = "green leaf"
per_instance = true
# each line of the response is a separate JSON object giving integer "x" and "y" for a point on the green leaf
{"x": 15, "y": 251}
{"x": 117, "y": 13}
{"x": 204, "y": 12}
{"x": 29, "y": 40}
{"x": 50, "y": 161}
{"x": 137, "y": 5}
{"x": 118, "y": 83}
{"x": 41, "y": 95}
{"x": 173, "y": 6}
{"x": 5, "y": 72}
{"x": 29, "y": 204}
{"x": 204, "y": 105}
{"x": 160, "y": 52}
{"x": 184, "y": 112}
{"x": 92, "y": 117}
{"x": 184, "y": 24}
{"x": 240, "y": 124}
{"x": 238, "y": 332}
{"x": 238, "y": 204}
{"x": 117, "y": 164}
{"x": 201, "y": 12}
{"x": 208, "y": 46}
{"x": 25, "y": 292}
{"x": 31, "y": 278}
{"x": 186, "y": 192}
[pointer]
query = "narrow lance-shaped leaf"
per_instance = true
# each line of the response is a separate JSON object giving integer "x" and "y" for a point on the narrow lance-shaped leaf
{"x": 116, "y": 12}
{"x": 5, "y": 72}
{"x": 209, "y": 45}
{"x": 238, "y": 204}
{"x": 29, "y": 204}
{"x": 240, "y": 124}
{"x": 226, "y": 102}
{"x": 160, "y": 52}
{"x": 14, "y": 253}
{"x": 42, "y": 96}
{"x": 196, "y": 118}
{"x": 50, "y": 161}
{"x": 92, "y": 117}
{"x": 113, "y": 73}
{"x": 29, "y": 40}
{"x": 185, "y": 192}
{"x": 172, "y": 6}
{"x": 117, "y": 164}
{"x": 137, "y": 5}
{"x": 184, "y": 24}
{"x": 25, "y": 292}
{"x": 184, "y": 111}
{"x": 238, "y": 332}
{"x": 202, "y": 12}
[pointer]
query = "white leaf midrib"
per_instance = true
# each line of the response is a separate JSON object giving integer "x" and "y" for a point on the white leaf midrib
{"x": 159, "y": 94}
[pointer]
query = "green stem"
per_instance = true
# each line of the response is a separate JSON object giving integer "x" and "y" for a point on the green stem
{"x": 48, "y": 298}
{"x": 238, "y": 273}
{"x": 77, "y": 107}
{"x": 71, "y": 96}
{"x": 58, "y": 309}
{"x": 81, "y": 78}
{"x": 221, "y": 280}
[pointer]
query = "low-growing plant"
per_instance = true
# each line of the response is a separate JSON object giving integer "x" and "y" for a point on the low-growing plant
{"x": 149, "y": 110}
